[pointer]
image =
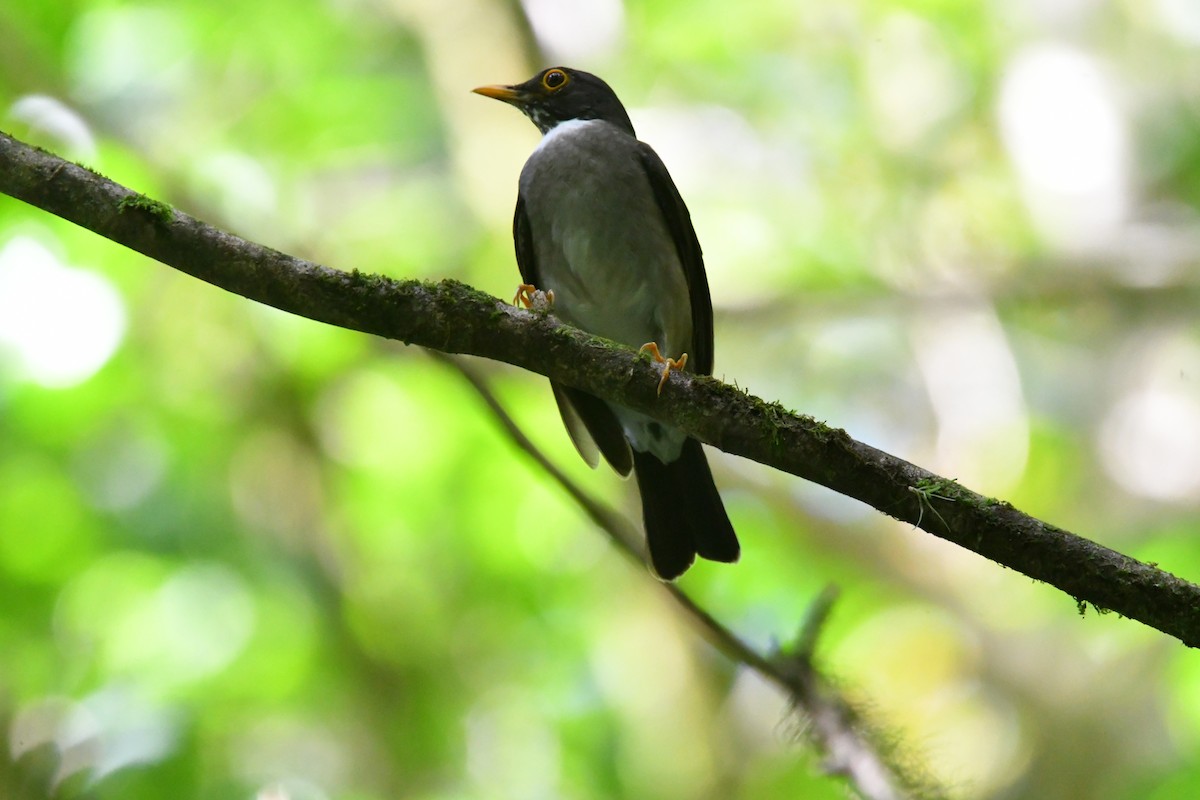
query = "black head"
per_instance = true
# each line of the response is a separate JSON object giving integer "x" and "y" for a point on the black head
{"x": 560, "y": 94}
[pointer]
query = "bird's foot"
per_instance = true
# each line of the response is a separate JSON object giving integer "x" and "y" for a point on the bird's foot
{"x": 533, "y": 298}
{"x": 668, "y": 363}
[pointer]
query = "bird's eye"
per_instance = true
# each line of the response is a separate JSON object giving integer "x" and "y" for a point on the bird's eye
{"x": 554, "y": 79}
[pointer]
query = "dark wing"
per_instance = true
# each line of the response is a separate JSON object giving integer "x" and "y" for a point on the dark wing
{"x": 601, "y": 426}
{"x": 523, "y": 241}
{"x": 679, "y": 224}
{"x": 590, "y": 423}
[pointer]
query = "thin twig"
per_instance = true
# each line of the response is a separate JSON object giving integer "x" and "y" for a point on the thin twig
{"x": 833, "y": 730}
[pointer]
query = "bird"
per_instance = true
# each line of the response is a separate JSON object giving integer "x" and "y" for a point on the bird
{"x": 602, "y": 231}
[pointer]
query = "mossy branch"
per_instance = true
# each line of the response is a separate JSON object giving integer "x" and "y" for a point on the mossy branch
{"x": 454, "y": 318}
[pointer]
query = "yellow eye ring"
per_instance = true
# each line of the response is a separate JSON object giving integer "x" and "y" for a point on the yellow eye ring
{"x": 554, "y": 79}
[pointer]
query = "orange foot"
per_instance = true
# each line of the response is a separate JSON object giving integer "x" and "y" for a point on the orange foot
{"x": 668, "y": 363}
{"x": 532, "y": 297}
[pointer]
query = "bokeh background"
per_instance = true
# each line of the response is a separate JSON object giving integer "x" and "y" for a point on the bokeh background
{"x": 246, "y": 555}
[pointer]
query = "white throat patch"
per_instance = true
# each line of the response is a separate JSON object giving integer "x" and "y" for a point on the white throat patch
{"x": 571, "y": 127}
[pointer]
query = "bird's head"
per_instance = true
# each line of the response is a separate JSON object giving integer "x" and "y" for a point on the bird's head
{"x": 559, "y": 94}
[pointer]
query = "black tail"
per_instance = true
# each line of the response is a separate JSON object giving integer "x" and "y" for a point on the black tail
{"x": 683, "y": 513}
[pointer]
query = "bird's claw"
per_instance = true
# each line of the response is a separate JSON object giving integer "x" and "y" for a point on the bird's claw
{"x": 533, "y": 298}
{"x": 668, "y": 363}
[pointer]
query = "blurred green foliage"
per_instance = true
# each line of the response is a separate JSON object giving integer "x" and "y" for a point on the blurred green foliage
{"x": 247, "y": 555}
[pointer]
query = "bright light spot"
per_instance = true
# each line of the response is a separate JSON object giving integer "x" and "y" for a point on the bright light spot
{"x": 1059, "y": 120}
{"x": 1159, "y": 248}
{"x": 1180, "y": 18}
{"x": 730, "y": 147}
{"x": 724, "y": 173}
{"x": 131, "y": 730}
{"x": 58, "y": 324}
{"x": 576, "y": 30}
{"x": 510, "y": 750}
{"x": 56, "y": 119}
{"x": 292, "y": 789}
{"x": 108, "y": 730}
{"x": 1069, "y": 144}
{"x": 197, "y": 622}
{"x": 1151, "y": 444}
{"x": 347, "y": 424}
{"x": 975, "y": 390}
{"x": 37, "y": 723}
{"x": 656, "y": 708}
{"x": 244, "y": 188}
{"x": 207, "y": 616}
{"x": 928, "y": 664}
{"x": 120, "y": 58}
{"x": 913, "y": 83}
{"x": 289, "y": 759}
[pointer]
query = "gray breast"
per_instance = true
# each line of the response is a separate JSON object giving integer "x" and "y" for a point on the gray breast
{"x": 601, "y": 242}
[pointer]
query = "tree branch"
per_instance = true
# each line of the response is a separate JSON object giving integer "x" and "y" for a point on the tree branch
{"x": 454, "y": 318}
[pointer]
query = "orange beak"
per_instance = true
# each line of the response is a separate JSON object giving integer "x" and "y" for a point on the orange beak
{"x": 509, "y": 94}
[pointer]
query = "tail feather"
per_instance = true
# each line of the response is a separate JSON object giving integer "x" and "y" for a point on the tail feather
{"x": 682, "y": 512}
